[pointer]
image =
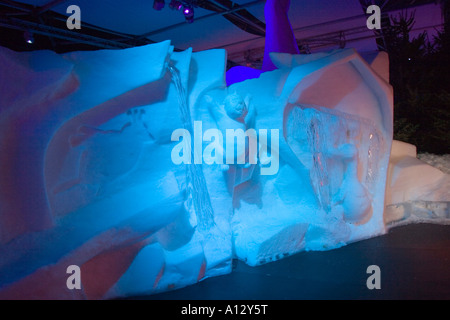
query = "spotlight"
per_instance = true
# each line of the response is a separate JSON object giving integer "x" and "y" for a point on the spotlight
{"x": 28, "y": 36}
{"x": 188, "y": 12}
{"x": 158, "y": 4}
{"x": 175, "y": 5}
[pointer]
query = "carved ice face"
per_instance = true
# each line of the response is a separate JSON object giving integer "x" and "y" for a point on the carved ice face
{"x": 235, "y": 106}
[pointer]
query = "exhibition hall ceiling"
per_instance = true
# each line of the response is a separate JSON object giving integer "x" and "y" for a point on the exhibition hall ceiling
{"x": 237, "y": 26}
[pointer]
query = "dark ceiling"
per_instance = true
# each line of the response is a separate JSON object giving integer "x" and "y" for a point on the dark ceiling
{"x": 237, "y": 26}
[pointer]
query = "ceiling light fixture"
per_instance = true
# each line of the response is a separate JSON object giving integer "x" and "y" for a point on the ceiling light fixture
{"x": 28, "y": 36}
{"x": 188, "y": 12}
{"x": 158, "y": 4}
{"x": 186, "y": 6}
{"x": 175, "y": 5}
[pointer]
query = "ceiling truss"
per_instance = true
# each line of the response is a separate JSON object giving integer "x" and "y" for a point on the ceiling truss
{"x": 17, "y": 17}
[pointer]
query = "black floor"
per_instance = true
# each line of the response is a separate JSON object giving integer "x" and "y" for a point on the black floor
{"x": 414, "y": 262}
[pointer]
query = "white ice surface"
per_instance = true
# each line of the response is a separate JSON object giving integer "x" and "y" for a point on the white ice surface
{"x": 87, "y": 175}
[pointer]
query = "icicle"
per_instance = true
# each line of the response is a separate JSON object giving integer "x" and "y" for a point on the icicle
{"x": 196, "y": 188}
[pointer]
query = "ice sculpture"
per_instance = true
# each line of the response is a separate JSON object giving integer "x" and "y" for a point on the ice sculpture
{"x": 416, "y": 191}
{"x": 88, "y": 180}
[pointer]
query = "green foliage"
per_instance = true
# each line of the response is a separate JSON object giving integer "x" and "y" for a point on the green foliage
{"x": 420, "y": 75}
{"x": 404, "y": 130}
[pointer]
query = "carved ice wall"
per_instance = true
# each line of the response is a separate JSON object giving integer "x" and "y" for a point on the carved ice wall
{"x": 88, "y": 180}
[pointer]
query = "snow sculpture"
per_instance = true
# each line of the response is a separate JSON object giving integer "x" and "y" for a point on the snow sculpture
{"x": 335, "y": 140}
{"x": 88, "y": 179}
{"x": 415, "y": 191}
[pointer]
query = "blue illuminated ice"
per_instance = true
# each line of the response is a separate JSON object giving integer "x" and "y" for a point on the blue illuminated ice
{"x": 88, "y": 179}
